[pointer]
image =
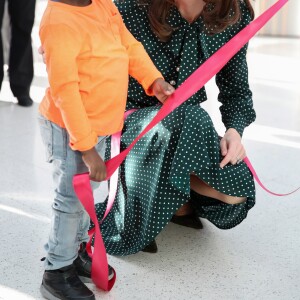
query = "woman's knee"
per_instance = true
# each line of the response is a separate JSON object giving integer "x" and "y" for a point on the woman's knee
{"x": 232, "y": 200}
{"x": 199, "y": 186}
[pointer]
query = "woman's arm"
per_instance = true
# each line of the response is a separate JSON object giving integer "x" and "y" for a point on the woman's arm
{"x": 236, "y": 98}
{"x": 235, "y": 95}
{"x": 237, "y": 107}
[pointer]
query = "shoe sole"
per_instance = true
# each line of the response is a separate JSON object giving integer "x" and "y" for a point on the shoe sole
{"x": 46, "y": 294}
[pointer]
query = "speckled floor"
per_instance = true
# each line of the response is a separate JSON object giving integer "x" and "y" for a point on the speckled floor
{"x": 260, "y": 259}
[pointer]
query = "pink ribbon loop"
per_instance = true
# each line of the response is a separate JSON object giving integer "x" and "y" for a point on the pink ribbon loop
{"x": 83, "y": 190}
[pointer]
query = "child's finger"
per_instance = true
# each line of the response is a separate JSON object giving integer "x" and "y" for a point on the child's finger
{"x": 167, "y": 88}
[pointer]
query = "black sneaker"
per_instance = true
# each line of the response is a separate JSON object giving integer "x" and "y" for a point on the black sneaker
{"x": 83, "y": 265}
{"x": 64, "y": 284}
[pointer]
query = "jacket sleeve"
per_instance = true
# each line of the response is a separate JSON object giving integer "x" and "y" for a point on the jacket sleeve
{"x": 62, "y": 47}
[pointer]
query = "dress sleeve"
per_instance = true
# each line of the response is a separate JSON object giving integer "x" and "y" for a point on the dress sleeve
{"x": 235, "y": 95}
{"x": 62, "y": 47}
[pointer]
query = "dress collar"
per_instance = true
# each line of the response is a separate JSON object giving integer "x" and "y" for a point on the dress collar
{"x": 181, "y": 26}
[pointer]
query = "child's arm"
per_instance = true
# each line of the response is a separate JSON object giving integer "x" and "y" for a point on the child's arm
{"x": 141, "y": 66}
{"x": 62, "y": 46}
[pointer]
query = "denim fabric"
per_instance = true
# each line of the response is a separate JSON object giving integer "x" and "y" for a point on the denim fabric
{"x": 69, "y": 222}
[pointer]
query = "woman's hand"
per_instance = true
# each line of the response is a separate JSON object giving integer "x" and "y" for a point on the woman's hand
{"x": 95, "y": 164}
{"x": 161, "y": 89}
{"x": 232, "y": 148}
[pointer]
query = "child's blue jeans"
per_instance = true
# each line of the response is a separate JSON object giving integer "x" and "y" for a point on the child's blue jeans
{"x": 69, "y": 222}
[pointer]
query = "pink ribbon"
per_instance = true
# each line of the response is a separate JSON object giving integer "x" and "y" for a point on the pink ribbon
{"x": 83, "y": 190}
{"x": 251, "y": 168}
{"x": 192, "y": 84}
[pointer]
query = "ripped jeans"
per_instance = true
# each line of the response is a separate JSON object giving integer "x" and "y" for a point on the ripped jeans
{"x": 70, "y": 221}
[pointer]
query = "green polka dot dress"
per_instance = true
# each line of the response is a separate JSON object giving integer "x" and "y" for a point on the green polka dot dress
{"x": 154, "y": 180}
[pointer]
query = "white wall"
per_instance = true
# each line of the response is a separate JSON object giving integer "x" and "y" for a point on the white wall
{"x": 285, "y": 23}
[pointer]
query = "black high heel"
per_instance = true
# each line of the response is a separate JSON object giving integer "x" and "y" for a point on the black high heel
{"x": 190, "y": 220}
{"x": 151, "y": 248}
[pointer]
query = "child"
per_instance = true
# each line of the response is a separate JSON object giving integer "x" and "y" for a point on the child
{"x": 89, "y": 54}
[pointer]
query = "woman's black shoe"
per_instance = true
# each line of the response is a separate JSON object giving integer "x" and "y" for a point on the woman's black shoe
{"x": 64, "y": 284}
{"x": 191, "y": 220}
{"x": 151, "y": 248}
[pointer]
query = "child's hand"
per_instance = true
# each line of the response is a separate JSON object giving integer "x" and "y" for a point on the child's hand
{"x": 161, "y": 89}
{"x": 95, "y": 164}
